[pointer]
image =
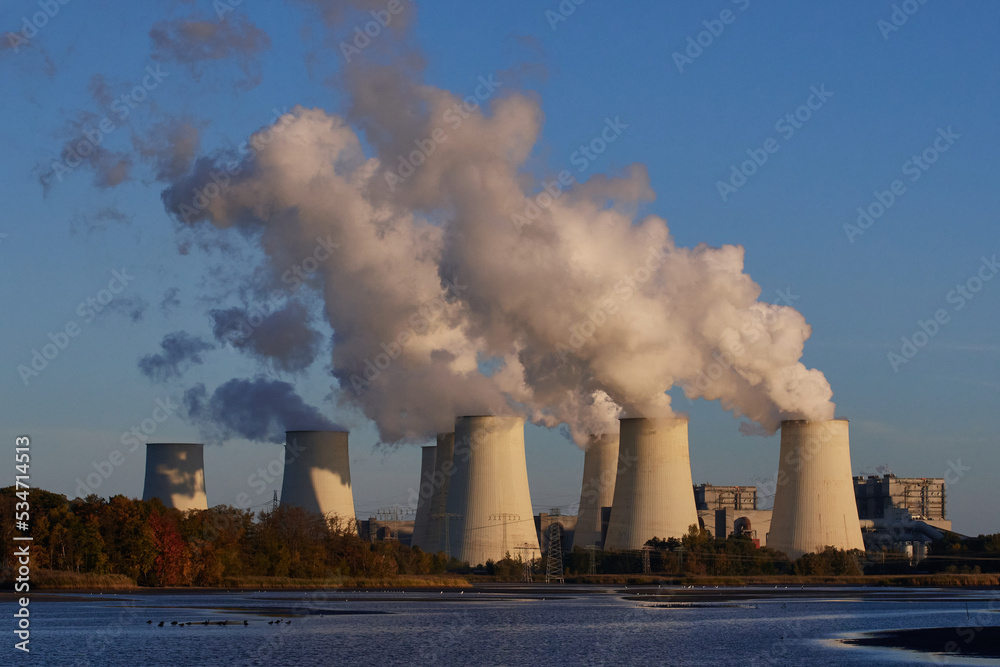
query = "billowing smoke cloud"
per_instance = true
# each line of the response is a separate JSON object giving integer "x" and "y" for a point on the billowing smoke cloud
{"x": 110, "y": 167}
{"x": 194, "y": 42}
{"x": 284, "y": 338}
{"x": 171, "y": 300}
{"x": 465, "y": 287}
{"x": 170, "y": 147}
{"x": 180, "y": 351}
{"x": 260, "y": 410}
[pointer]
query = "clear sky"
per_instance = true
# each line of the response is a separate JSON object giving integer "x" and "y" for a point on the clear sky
{"x": 887, "y": 107}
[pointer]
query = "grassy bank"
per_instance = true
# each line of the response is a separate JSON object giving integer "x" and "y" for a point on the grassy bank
{"x": 48, "y": 580}
{"x": 915, "y": 580}
{"x": 60, "y": 580}
{"x": 401, "y": 581}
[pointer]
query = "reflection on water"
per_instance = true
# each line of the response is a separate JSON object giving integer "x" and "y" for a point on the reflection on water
{"x": 568, "y": 625}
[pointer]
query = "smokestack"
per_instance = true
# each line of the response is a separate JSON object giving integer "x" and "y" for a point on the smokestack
{"x": 175, "y": 473}
{"x": 489, "y": 491}
{"x": 814, "y": 505}
{"x": 421, "y": 523}
{"x": 444, "y": 468}
{"x": 654, "y": 496}
{"x": 317, "y": 474}
{"x": 600, "y": 466}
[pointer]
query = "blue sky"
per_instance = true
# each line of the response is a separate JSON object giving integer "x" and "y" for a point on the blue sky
{"x": 893, "y": 93}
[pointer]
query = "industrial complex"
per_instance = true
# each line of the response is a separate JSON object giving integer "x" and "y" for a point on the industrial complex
{"x": 473, "y": 501}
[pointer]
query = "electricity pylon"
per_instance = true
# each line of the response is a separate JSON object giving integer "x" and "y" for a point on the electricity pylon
{"x": 592, "y": 548}
{"x": 447, "y": 529}
{"x": 554, "y": 563}
{"x": 505, "y": 517}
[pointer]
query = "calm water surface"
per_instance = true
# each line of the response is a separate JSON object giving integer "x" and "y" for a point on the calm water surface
{"x": 557, "y": 625}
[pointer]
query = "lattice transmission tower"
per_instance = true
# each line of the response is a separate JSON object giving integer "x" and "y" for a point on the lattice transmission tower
{"x": 447, "y": 529}
{"x": 554, "y": 561}
{"x": 505, "y": 517}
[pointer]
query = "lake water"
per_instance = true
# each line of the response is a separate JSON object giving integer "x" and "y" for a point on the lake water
{"x": 498, "y": 626}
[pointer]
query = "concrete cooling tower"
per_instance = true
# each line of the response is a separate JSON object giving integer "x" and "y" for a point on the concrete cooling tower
{"x": 317, "y": 474}
{"x": 175, "y": 473}
{"x": 489, "y": 491}
{"x": 814, "y": 505}
{"x": 600, "y": 467}
{"x": 440, "y": 482}
{"x": 654, "y": 495}
{"x": 421, "y": 522}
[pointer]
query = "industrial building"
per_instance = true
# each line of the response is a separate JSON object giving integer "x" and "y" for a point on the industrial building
{"x": 732, "y": 510}
{"x": 922, "y": 497}
{"x": 317, "y": 474}
{"x": 175, "y": 473}
{"x": 474, "y": 502}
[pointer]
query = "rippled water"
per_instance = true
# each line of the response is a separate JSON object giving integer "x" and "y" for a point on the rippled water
{"x": 565, "y": 625}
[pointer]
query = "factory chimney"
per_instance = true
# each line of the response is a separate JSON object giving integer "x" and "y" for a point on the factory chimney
{"x": 175, "y": 473}
{"x": 317, "y": 474}
{"x": 421, "y": 522}
{"x": 488, "y": 495}
{"x": 814, "y": 505}
{"x": 600, "y": 466}
{"x": 654, "y": 495}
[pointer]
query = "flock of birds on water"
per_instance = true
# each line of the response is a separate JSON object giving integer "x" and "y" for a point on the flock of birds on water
{"x": 222, "y": 623}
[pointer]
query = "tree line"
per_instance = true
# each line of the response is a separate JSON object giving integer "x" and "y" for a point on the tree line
{"x": 159, "y": 546}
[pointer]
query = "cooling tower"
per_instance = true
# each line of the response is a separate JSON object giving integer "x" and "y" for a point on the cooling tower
{"x": 814, "y": 505}
{"x": 317, "y": 474}
{"x": 440, "y": 481}
{"x": 654, "y": 495}
{"x": 600, "y": 466}
{"x": 489, "y": 491}
{"x": 421, "y": 522}
{"x": 175, "y": 473}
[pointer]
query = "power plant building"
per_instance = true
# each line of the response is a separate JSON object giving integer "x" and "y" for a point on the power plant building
{"x": 653, "y": 490}
{"x": 488, "y": 496}
{"x": 317, "y": 474}
{"x": 814, "y": 504}
{"x": 732, "y": 510}
{"x": 175, "y": 473}
{"x": 922, "y": 497}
